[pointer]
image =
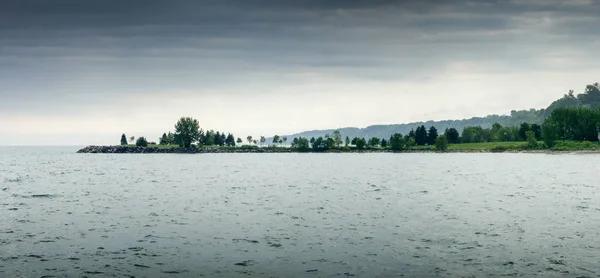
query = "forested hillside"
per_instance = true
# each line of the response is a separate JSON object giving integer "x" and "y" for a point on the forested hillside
{"x": 589, "y": 98}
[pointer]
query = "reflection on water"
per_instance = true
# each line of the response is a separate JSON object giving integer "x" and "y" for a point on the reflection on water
{"x": 282, "y": 215}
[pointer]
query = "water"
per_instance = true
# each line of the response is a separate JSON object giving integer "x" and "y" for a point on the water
{"x": 298, "y": 215}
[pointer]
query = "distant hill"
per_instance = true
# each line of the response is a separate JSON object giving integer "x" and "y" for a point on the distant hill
{"x": 589, "y": 98}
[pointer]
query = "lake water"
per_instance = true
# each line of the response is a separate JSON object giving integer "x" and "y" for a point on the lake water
{"x": 298, "y": 215}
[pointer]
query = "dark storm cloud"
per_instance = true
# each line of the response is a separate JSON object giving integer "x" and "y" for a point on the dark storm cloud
{"x": 70, "y": 51}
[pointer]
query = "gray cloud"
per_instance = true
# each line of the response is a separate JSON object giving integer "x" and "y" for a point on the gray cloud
{"x": 71, "y": 57}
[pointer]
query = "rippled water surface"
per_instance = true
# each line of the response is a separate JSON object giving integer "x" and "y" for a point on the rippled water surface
{"x": 298, "y": 215}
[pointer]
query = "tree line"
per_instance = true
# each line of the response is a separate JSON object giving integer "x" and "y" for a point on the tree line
{"x": 563, "y": 124}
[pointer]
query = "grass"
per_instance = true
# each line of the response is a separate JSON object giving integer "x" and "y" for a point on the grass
{"x": 576, "y": 146}
{"x": 488, "y": 146}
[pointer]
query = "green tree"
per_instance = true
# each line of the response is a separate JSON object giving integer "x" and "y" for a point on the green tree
{"x": 218, "y": 139}
{"x": 361, "y": 143}
{"x": 410, "y": 143}
{"x": 132, "y": 139}
{"x": 441, "y": 143}
{"x": 321, "y": 144}
{"x": 275, "y": 139}
{"x": 396, "y": 142}
{"x": 347, "y": 140}
{"x": 374, "y": 142}
{"x": 523, "y": 131}
{"x": 163, "y": 139}
{"x": 249, "y": 138}
{"x": 452, "y": 135}
{"x": 230, "y": 140}
{"x": 209, "y": 138}
{"x": 354, "y": 141}
{"x": 432, "y": 135}
{"x": 312, "y": 140}
{"x": 549, "y": 133}
{"x": 537, "y": 131}
{"x": 255, "y": 141}
{"x": 384, "y": 143}
{"x": 284, "y": 139}
{"x": 421, "y": 136}
{"x": 223, "y": 139}
{"x": 170, "y": 138}
{"x": 301, "y": 144}
{"x": 187, "y": 131}
{"x": 123, "y": 140}
{"x": 239, "y": 141}
{"x": 262, "y": 140}
{"x": 531, "y": 140}
{"x": 141, "y": 142}
{"x": 337, "y": 138}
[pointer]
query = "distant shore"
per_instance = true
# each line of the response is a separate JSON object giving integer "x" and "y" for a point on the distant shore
{"x": 151, "y": 150}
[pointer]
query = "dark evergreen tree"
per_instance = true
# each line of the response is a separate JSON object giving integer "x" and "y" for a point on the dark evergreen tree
{"x": 537, "y": 131}
{"x": 123, "y": 140}
{"x": 421, "y": 136}
{"x": 452, "y": 135}
{"x": 223, "y": 138}
{"x": 412, "y": 133}
{"x": 230, "y": 140}
{"x": 432, "y": 135}
{"x": 312, "y": 140}
{"x": 523, "y": 131}
{"x": 141, "y": 142}
{"x": 384, "y": 143}
{"x": 163, "y": 139}
{"x": 396, "y": 142}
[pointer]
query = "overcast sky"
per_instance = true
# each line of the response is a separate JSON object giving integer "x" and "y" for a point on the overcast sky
{"x": 78, "y": 72}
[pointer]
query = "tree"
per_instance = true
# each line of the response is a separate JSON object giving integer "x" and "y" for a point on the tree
{"x": 187, "y": 131}
{"x": 523, "y": 131}
{"x": 284, "y": 139}
{"x": 300, "y": 144}
{"x": 229, "y": 140}
{"x": 223, "y": 139}
{"x": 396, "y": 142}
{"x": 347, "y": 140}
{"x": 209, "y": 138}
{"x": 549, "y": 133}
{"x": 531, "y": 141}
{"x": 410, "y": 143}
{"x": 123, "y": 140}
{"x": 321, "y": 144}
{"x": 249, "y": 138}
{"x": 163, "y": 139}
{"x": 537, "y": 131}
{"x": 384, "y": 143}
{"x": 141, "y": 142}
{"x": 170, "y": 138}
{"x": 452, "y": 135}
{"x": 218, "y": 140}
{"x": 432, "y": 136}
{"x": 354, "y": 141}
{"x": 421, "y": 136}
{"x": 337, "y": 138}
{"x": 412, "y": 133}
{"x": 374, "y": 142}
{"x": 360, "y": 143}
{"x": 255, "y": 141}
{"x": 239, "y": 141}
{"x": 312, "y": 140}
{"x": 441, "y": 143}
{"x": 275, "y": 139}
{"x": 132, "y": 139}
{"x": 262, "y": 140}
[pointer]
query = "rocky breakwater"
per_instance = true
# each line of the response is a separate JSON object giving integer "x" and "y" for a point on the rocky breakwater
{"x": 131, "y": 149}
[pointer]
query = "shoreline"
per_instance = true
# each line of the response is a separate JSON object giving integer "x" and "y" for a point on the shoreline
{"x": 156, "y": 150}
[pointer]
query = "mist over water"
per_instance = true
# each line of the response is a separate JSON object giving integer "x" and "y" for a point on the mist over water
{"x": 292, "y": 215}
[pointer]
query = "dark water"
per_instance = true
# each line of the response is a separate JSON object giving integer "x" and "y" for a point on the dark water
{"x": 298, "y": 215}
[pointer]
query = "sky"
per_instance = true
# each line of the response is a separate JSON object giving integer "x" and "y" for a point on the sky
{"x": 79, "y": 72}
